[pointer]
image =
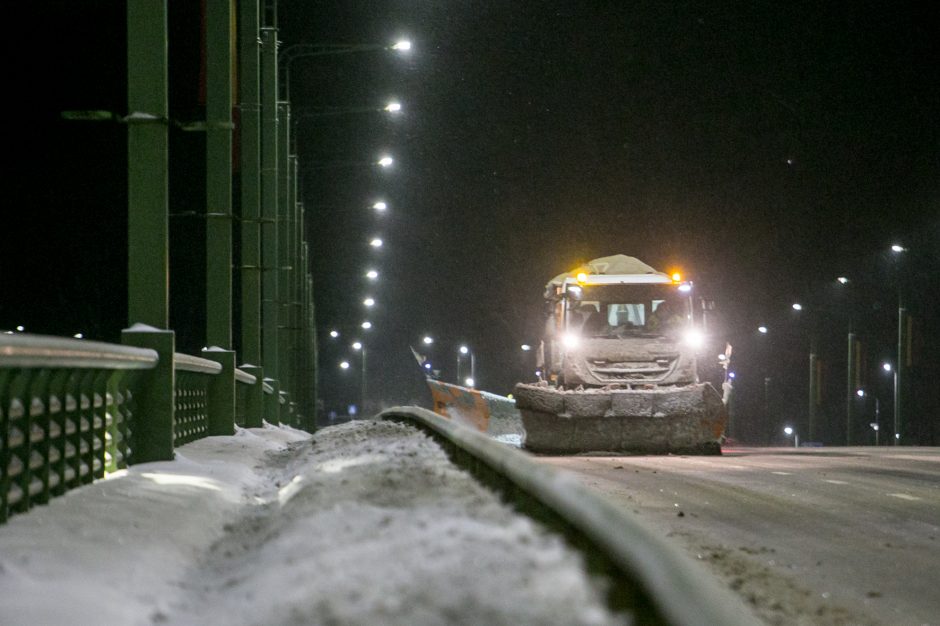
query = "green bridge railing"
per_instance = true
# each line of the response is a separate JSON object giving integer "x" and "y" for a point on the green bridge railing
{"x": 73, "y": 410}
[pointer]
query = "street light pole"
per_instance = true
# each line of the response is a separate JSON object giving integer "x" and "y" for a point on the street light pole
{"x": 852, "y": 375}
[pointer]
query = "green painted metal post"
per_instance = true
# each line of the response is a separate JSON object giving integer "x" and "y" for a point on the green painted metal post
{"x": 272, "y": 402}
{"x": 285, "y": 375}
{"x": 148, "y": 284}
{"x": 155, "y": 401}
{"x": 312, "y": 350}
{"x": 295, "y": 273}
{"x": 219, "y": 174}
{"x": 221, "y": 398}
{"x": 253, "y": 413}
{"x": 269, "y": 166}
{"x": 249, "y": 84}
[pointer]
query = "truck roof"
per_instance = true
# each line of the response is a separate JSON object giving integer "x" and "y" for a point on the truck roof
{"x": 611, "y": 270}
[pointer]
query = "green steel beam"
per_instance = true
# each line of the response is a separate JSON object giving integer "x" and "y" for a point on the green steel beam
{"x": 249, "y": 85}
{"x": 148, "y": 284}
{"x": 269, "y": 166}
{"x": 219, "y": 174}
{"x": 284, "y": 248}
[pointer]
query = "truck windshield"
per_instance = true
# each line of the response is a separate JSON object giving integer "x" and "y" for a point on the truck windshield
{"x": 628, "y": 310}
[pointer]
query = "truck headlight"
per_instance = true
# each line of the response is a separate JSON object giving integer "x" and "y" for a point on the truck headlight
{"x": 694, "y": 338}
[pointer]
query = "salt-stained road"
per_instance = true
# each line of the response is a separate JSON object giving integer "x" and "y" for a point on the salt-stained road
{"x": 814, "y": 536}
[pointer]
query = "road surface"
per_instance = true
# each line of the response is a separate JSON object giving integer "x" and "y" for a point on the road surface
{"x": 806, "y": 536}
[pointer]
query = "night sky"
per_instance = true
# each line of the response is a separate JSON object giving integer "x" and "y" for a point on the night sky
{"x": 761, "y": 148}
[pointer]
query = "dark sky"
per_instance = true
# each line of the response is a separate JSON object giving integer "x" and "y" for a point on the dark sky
{"x": 762, "y": 148}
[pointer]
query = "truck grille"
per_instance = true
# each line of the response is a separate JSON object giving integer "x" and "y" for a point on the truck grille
{"x": 631, "y": 371}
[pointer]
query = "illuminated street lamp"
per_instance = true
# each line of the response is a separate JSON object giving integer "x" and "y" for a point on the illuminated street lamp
{"x": 366, "y": 325}
{"x": 385, "y": 161}
{"x": 843, "y": 280}
{"x": 762, "y": 330}
{"x": 897, "y": 249}
{"x": 464, "y": 350}
{"x": 334, "y": 334}
{"x": 369, "y": 302}
{"x": 380, "y": 206}
{"x": 393, "y": 107}
{"x": 427, "y": 340}
{"x": 376, "y": 242}
{"x": 525, "y": 347}
{"x": 789, "y": 431}
{"x": 797, "y": 306}
{"x": 344, "y": 365}
{"x": 372, "y": 274}
{"x": 360, "y": 347}
{"x": 469, "y": 382}
{"x": 304, "y": 50}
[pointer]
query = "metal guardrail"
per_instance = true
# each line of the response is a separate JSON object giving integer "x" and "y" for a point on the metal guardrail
{"x": 191, "y": 415}
{"x": 244, "y": 377}
{"x": 649, "y": 577}
{"x": 188, "y": 363}
{"x": 66, "y": 414}
{"x": 68, "y": 408}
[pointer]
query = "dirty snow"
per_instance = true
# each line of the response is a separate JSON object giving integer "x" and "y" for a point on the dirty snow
{"x": 366, "y": 522}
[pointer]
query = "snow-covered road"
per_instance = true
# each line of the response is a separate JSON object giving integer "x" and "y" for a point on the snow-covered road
{"x": 363, "y": 523}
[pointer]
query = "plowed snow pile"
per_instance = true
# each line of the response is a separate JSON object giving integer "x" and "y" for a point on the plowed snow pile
{"x": 364, "y": 523}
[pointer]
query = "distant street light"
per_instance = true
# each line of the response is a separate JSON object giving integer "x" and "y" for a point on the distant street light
{"x": 372, "y": 274}
{"x": 762, "y": 330}
{"x": 366, "y": 325}
{"x": 359, "y": 347}
{"x": 334, "y": 334}
{"x": 376, "y": 242}
{"x": 428, "y": 340}
{"x": 897, "y": 249}
{"x": 464, "y": 350}
{"x": 386, "y": 161}
{"x": 302, "y": 50}
{"x": 525, "y": 347}
{"x": 469, "y": 382}
{"x": 79, "y": 336}
{"x": 886, "y": 367}
{"x": 790, "y": 431}
{"x": 344, "y": 365}
{"x": 369, "y": 302}
{"x": 860, "y": 393}
{"x": 842, "y": 280}
{"x": 380, "y": 206}
{"x": 393, "y": 107}
{"x": 20, "y": 328}
{"x": 797, "y": 306}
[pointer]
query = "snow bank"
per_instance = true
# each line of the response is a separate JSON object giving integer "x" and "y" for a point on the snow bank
{"x": 366, "y": 522}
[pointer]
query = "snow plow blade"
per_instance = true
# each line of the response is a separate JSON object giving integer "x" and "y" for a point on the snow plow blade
{"x": 676, "y": 420}
{"x": 486, "y": 412}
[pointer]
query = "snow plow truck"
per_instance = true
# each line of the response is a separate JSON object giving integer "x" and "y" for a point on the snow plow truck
{"x": 619, "y": 366}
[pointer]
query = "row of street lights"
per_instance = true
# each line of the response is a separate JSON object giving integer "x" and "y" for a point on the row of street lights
{"x": 853, "y": 390}
{"x": 379, "y": 206}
